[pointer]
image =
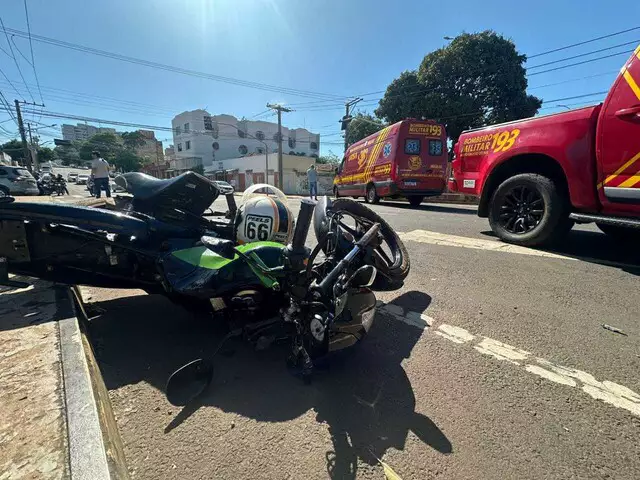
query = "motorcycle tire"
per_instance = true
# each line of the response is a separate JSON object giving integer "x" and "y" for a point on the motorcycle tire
{"x": 389, "y": 277}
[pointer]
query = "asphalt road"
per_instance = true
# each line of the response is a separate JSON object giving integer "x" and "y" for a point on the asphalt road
{"x": 491, "y": 362}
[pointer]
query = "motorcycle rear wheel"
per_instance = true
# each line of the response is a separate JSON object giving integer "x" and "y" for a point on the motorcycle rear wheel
{"x": 392, "y": 269}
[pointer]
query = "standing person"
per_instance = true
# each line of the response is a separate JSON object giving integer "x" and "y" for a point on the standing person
{"x": 312, "y": 177}
{"x": 100, "y": 172}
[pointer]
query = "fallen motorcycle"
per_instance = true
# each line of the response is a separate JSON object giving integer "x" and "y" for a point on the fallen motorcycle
{"x": 319, "y": 299}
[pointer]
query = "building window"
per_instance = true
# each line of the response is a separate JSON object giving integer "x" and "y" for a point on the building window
{"x": 259, "y": 135}
{"x": 186, "y": 127}
{"x": 276, "y": 138}
{"x": 242, "y": 133}
{"x": 215, "y": 146}
{"x": 187, "y": 144}
{"x": 292, "y": 142}
{"x": 259, "y": 150}
{"x": 208, "y": 125}
{"x": 313, "y": 146}
{"x": 243, "y": 149}
{"x": 178, "y": 130}
{"x": 179, "y": 147}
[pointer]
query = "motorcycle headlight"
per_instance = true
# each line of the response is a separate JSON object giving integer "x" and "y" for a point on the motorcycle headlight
{"x": 367, "y": 318}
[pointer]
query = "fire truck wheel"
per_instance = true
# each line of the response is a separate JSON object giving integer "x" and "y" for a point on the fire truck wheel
{"x": 529, "y": 210}
{"x": 372, "y": 196}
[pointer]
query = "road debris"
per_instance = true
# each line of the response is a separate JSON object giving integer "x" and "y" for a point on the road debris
{"x": 613, "y": 329}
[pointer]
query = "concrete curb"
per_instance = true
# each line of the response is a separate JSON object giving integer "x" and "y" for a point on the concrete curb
{"x": 95, "y": 447}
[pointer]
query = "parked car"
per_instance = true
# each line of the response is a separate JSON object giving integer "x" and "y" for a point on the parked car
{"x": 224, "y": 187}
{"x": 82, "y": 179}
{"x": 17, "y": 181}
{"x": 72, "y": 177}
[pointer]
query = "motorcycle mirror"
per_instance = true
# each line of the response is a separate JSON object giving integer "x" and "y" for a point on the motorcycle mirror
{"x": 188, "y": 382}
{"x": 363, "y": 277}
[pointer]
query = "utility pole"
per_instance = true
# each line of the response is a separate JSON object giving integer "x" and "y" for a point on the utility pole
{"x": 32, "y": 149}
{"x": 23, "y": 136}
{"x": 279, "y": 108}
{"x": 347, "y": 118}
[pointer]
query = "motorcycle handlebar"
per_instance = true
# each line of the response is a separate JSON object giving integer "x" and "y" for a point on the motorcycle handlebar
{"x": 330, "y": 279}
{"x": 302, "y": 224}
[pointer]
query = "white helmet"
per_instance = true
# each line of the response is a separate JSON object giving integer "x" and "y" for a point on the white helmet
{"x": 262, "y": 218}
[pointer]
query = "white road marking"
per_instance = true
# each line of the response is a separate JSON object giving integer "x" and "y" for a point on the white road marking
{"x": 435, "y": 238}
{"x": 455, "y": 334}
{"x": 606, "y": 391}
{"x": 501, "y": 351}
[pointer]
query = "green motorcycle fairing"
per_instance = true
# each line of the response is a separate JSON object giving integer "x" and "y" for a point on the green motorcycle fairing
{"x": 197, "y": 271}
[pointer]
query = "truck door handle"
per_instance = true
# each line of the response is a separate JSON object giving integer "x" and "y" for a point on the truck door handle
{"x": 629, "y": 113}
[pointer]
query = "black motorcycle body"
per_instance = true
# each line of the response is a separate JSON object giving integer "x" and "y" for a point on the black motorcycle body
{"x": 164, "y": 244}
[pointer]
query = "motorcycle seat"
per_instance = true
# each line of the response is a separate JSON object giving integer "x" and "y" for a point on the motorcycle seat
{"x": 143, "y": 186}
{"x": 188, "y": 192}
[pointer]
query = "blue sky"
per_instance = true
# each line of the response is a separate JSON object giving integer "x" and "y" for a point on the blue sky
{"x": 333, "y": 47}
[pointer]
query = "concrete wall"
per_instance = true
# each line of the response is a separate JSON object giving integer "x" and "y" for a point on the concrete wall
{"x": 245, "y": 171}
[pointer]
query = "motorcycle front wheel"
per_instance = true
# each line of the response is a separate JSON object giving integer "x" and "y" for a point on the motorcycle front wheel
{"x": 391, "y": 258}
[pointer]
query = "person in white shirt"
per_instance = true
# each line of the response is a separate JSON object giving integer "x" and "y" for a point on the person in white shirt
{"x": 100, "y": 172}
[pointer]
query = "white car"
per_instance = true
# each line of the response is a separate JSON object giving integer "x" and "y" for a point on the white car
{"x": 82, "y": 179}
{"x": 72, "y": 177}
{"x": 224, "y": 187}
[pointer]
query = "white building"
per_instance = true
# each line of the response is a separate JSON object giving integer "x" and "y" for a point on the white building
{"x": 82, "y": 131}
{"x": 199, "y": 135}
{"x": 243, "y": 172}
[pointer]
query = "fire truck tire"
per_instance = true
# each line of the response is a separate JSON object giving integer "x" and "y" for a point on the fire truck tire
{"x": 529, "y": 210}
{"x": 371, "y": 194}
{"x": 620, "y": 233}
{"x": 415, "y": 200}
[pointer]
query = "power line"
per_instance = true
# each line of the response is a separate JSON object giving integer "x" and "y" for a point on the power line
{"x": 33, "y": 62}
{"x": 171, "y": 68}
{"x": 635, "y": 42}
{"x": 580, "y": 63}
{"x": 15, "y": 60}
{"x": 583, "y": 43}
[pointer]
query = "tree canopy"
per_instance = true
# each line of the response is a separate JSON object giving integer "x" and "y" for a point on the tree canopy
{"x": 477, "y": 79}
{"x": 362, "y": 126}
{"x": 15, "y": 150}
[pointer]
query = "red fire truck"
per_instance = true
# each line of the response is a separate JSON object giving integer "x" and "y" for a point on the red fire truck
{"x": 408, "y": 158}
{"x": 536, "y": 177}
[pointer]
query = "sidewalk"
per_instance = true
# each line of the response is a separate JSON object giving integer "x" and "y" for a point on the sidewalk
{"x": 54, "y": 420}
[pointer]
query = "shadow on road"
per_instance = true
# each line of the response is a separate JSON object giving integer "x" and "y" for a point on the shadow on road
{"x": 364, "y": 395}
{"x": 441, "y": 207}
{"x": 595, "y": 247}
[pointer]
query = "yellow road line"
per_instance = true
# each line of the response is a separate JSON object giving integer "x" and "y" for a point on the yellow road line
{"x": 632, "y": 83}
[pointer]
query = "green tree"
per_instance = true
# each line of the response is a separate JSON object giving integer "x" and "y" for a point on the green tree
{"x": 198, "y": 169}
{"x": 362, "y": 126}
{"x": 330, "y": 158}
{"x": 477, "y": 79}
{"x": 132, "y": 140}
{"x": 126, "y": 161}
{"x": 14, "y": 149}
{"x": 46, "y": 154}
{"x": 108, "y": 144}
{"x": 68, "y": 154}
